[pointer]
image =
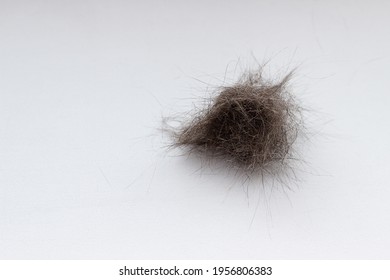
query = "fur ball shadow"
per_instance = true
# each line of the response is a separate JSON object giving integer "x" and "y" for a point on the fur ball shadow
{"x": 250, "y": 126}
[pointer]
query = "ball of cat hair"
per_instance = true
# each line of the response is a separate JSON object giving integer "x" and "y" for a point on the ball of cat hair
{"x": 252, "y": 125}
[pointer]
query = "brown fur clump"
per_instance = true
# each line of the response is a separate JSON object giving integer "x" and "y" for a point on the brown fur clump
{"x": 252, "y": 125}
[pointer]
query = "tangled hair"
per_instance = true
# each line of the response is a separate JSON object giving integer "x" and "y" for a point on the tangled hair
{"x": 251, "y": 125}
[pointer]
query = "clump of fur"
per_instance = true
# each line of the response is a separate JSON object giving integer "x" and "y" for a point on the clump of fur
{"x": 251, "y": 125}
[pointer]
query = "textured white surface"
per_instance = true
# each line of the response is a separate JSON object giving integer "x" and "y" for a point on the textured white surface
{"x": 83, "y": 174}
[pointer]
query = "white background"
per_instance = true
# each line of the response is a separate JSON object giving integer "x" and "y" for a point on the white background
{"x": 83, "y": 169}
